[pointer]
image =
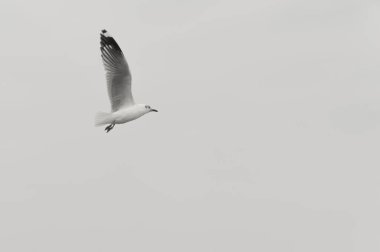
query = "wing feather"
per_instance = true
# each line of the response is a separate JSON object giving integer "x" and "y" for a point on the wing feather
{"x": 118, "y": 74}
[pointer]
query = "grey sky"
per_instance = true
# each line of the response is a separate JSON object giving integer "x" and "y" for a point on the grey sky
{"x": 267, "y": 137}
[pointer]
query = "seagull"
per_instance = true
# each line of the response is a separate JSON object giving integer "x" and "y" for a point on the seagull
{"x": 119, "y": 80}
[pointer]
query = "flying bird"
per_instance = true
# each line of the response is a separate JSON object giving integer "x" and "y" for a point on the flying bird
{"x": 119, "y": 81}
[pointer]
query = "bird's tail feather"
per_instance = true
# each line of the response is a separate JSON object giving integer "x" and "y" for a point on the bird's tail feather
{"x": 102, "y": 118}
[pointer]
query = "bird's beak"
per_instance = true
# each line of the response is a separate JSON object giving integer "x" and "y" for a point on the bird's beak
{"x": 154, "y": 110}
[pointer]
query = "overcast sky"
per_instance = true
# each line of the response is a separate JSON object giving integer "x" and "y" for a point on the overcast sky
{"x": 267, "y": 136}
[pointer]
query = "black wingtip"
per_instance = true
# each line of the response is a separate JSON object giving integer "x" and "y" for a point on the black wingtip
{"x": 106, "y": 39}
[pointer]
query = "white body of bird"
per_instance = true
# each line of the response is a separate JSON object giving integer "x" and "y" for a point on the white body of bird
{"x": 122, "y": 115}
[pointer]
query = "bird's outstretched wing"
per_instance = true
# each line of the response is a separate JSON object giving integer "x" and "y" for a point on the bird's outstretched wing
{"x": 117, "y": 71}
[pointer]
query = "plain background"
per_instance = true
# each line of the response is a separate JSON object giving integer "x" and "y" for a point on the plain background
{"x": 267, "y": 136}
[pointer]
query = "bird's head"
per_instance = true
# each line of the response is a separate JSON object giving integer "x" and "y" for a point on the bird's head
{"x": 149, "y": 109}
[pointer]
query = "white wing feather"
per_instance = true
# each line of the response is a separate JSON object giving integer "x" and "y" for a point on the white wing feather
{"x": 117, "y": 72}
